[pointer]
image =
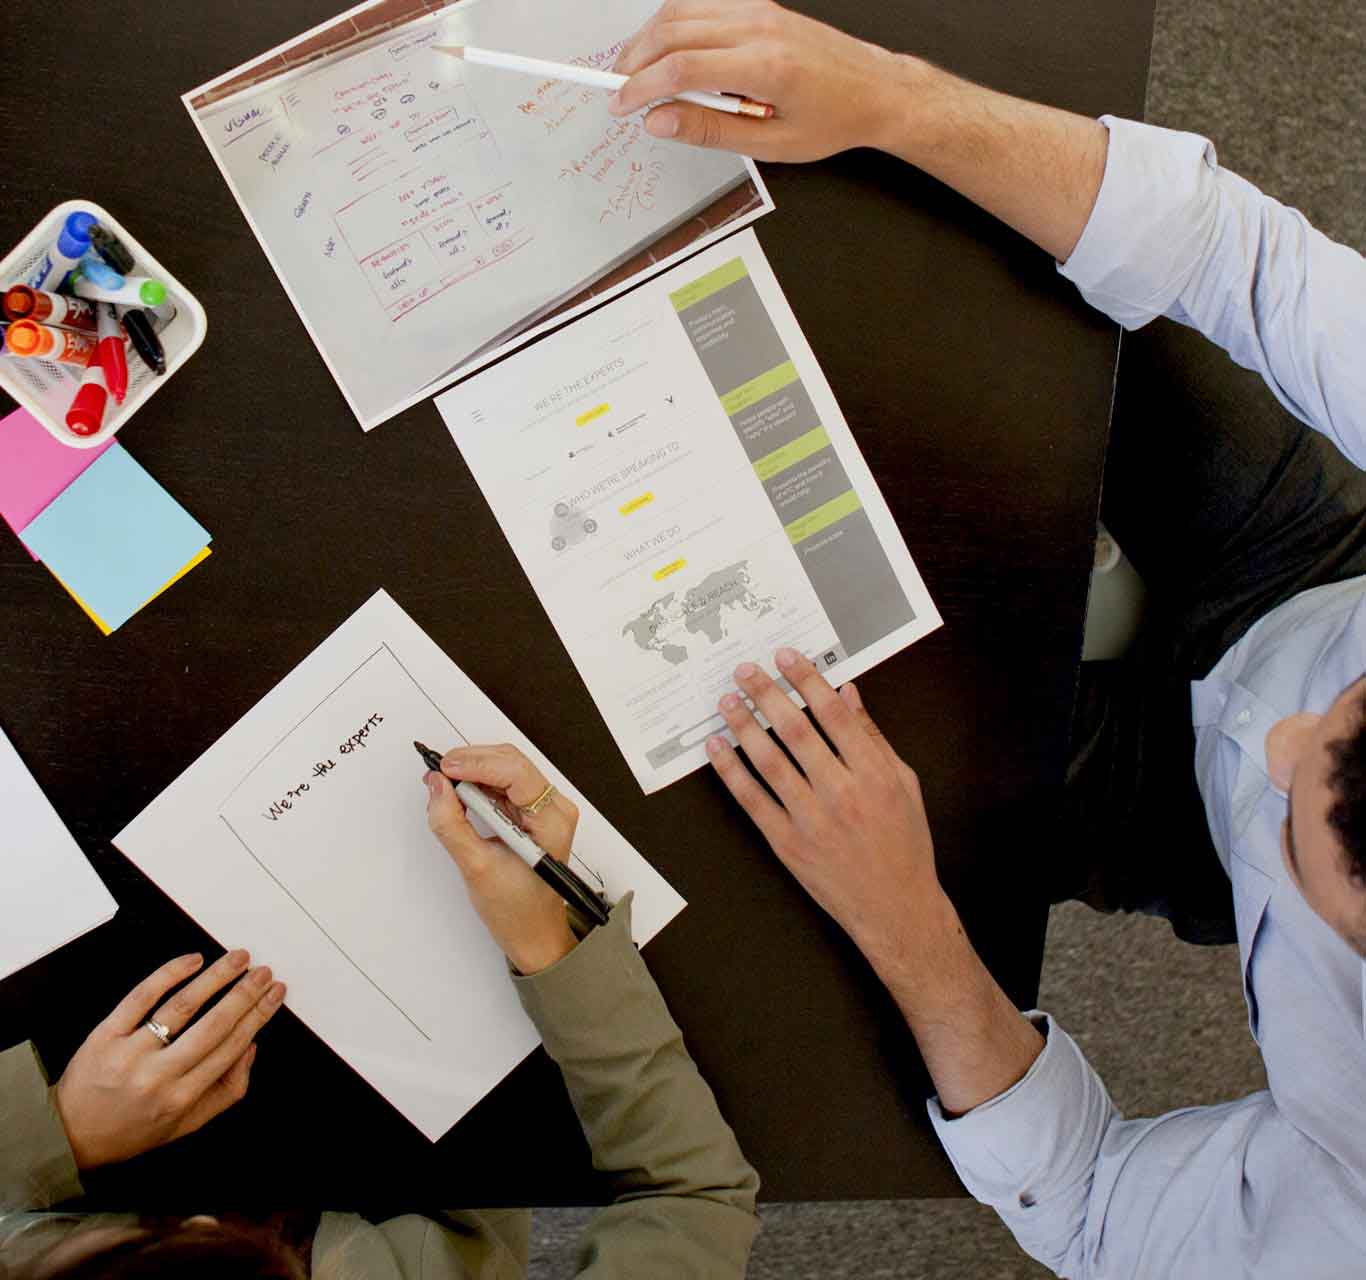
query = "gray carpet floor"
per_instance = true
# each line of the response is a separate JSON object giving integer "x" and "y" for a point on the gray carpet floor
{"x": 1278, "y": 85}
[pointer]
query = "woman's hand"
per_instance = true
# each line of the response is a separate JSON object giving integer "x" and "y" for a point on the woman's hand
{"x": 526, "y": 917}
{"x": 829, "y": 90}
{"x": 125, "y": 1092}
{"x": 849, "y": 823}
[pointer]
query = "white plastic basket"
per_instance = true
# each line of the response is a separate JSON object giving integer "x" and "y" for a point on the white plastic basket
{"x": 46, "y": 389}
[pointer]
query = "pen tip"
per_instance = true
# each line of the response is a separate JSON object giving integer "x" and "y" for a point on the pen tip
{"x": 455, "y": 50}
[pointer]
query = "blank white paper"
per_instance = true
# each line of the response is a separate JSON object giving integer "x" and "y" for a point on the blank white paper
{"x": 51, "y": 894}
{"x": 302, "y": 835}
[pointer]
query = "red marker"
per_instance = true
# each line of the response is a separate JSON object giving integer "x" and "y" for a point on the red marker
{"x": 86, "y": 415}
{"x": 110, "y": 353}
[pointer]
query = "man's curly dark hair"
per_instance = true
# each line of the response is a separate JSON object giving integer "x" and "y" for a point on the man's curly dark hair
{"x": 1347, "y": 813}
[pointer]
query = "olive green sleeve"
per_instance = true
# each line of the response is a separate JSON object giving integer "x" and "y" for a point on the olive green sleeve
{"x": 684, "y": 1192}
{"x": 37, "y": 1168}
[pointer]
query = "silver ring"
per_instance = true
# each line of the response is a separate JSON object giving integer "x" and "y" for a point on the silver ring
{"x": 160, "y": 1030}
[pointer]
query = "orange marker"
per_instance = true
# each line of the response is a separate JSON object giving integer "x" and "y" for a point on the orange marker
{"x": 23, "y": 303}
{"x": 29, "y": 340}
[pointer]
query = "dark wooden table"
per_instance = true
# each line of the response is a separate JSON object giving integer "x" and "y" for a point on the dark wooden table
{"x": 979, "y": 388}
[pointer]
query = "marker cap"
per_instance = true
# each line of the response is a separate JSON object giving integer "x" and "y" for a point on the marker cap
{"x": 86, "y": 415}
{"x": 142, "y": 334}
{"x": 74, "y": 238}
{"x": 20, "y": 302}
{"x": 99, "y": 272}
{"x": 25, "y": 338}
{"x": 111, "y": 249}
{"x": 152, "y": 293}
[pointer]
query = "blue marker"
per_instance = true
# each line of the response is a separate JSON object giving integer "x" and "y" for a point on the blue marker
{"x": 94, "y": 268}
{"x": 70, "y": 246}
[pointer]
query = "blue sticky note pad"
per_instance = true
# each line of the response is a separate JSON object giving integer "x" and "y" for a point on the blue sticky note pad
{"x": 114, "y": 537}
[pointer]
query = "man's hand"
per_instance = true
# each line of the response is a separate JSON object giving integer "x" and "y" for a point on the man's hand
{"x": 125, "y": 1092}
{"x": 1034, "y": 167}
{"x": 829, "y": 90}
{"x": 849, "y": 823}
{"x": 524, "y": 914}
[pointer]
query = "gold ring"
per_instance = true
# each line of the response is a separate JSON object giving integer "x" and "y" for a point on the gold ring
{"x": 540, "y": 802}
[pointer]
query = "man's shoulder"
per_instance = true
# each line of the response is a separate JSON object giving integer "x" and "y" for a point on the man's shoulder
{"x": 1305, "y": 651}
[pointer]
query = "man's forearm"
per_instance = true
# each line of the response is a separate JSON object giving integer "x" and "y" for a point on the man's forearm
{"x": 975, "y": 1043}
{"x": 1037, "y": 168}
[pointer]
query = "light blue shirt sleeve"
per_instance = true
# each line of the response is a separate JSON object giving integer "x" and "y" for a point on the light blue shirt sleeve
{"x": 1233, "y": 1190}
{"x": 1173, "y": 234}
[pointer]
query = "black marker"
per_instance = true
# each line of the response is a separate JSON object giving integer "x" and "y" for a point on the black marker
{"x": 111, "y": 249}
{"x": 554, "y": 872}
{"x": 138, "y": 325}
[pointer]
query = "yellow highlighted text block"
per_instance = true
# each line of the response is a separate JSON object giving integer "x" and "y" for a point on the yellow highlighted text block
{"x": 636, "y": 503}
{"x": 661, "y": 574}
{"x": 725, "y": 275}
{"x": 751, "y": 392}
{"x": 590, "y": 414}
{"x": 792, "y": 453}
{"x": 822, "y": 517}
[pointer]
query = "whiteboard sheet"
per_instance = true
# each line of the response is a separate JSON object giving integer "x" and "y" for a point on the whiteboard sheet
{"x": 302, "y": 835}
{"x": 422, "y": 211}
{"x": 51, "y": 893}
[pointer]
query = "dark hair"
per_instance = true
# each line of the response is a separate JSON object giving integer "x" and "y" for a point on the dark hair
{"x": 204, "y": 1251}
{"x": 1347, "y": 813}
{"x": 1347, "y": 781}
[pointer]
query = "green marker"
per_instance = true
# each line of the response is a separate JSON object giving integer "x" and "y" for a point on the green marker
{"x": 137, "y": 291}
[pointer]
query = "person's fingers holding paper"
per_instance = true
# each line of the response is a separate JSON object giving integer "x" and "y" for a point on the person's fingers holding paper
{"x": 176, "y": 1012}
{"x": 132, "y": 1011}
{"x": 212, "y": 1044}
{"x": 836, "y": 718}
{"x": 853, "y": 830}
{"x": 790, "y": 723}
{"x": 125, "y": 1091}
{"x": 765, "y": 755}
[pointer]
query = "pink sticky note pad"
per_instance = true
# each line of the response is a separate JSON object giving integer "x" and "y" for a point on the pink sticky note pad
{"x": 35, "y": 468}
